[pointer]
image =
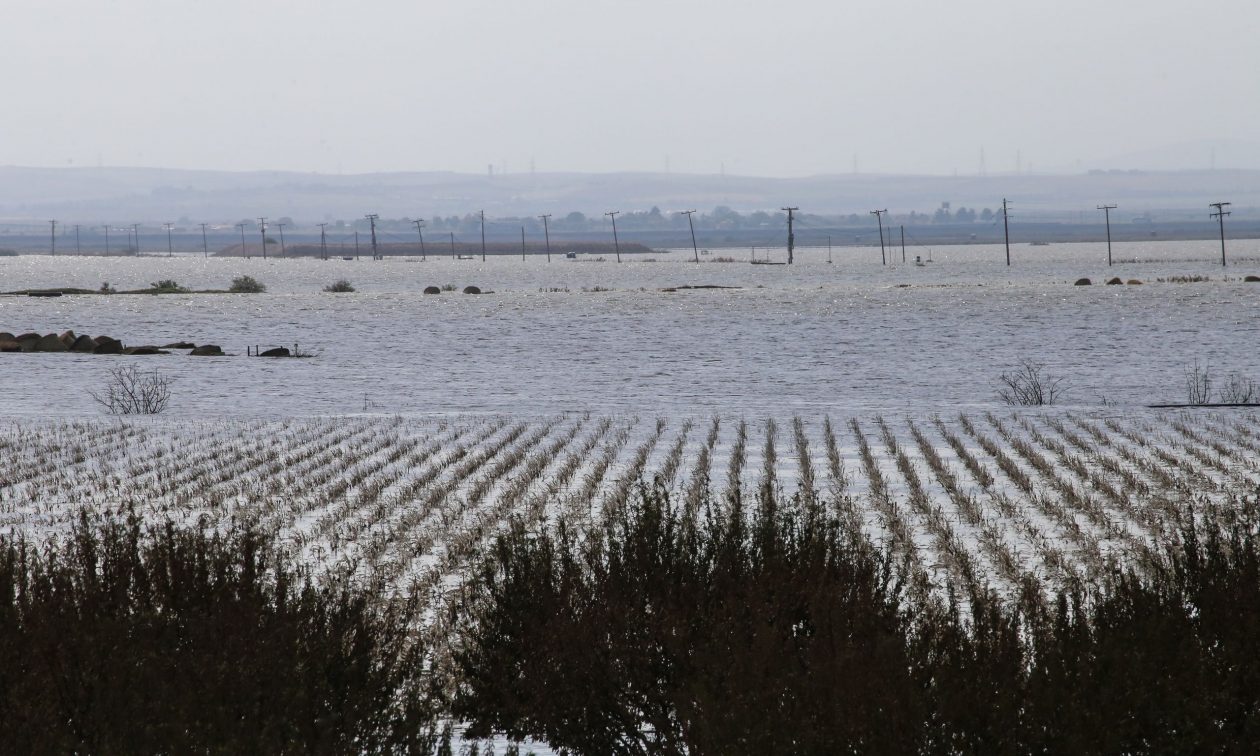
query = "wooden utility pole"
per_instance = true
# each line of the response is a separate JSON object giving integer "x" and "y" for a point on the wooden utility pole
{"x": 1006, "y": 227}
{"x": 1220, "y": 214}
{"x": 616, "y": 244}
{"x": 205, "y": 245}
{"x": 323, "y": 240}
{"x": 53, "y": 236}
{"x": 77, "y": 249}
{"x": 483, "y": 235}
{"x": 547, "y": 234}
{"x": 419, "y": 222}
{"x": 106, "y": 238}
{"x": 522, "y": 244}
{"x": 136, "y": 228}
{"x": 281, "y": 227}
{"x": 241, "y": 226}
{"x": 879, "y": 218}
{"x": 452, "y": 245}
{"x": 262, "y": 230}
{"x": 170, "y": 250}
{"x": 695, "y": 250}
{"x": 1107, "y": 214}
{"x": 828, "y": 249}
{"x": 376, "y": 255}
{"x": 791, "y": 236}
{"x": 903, "y": 245}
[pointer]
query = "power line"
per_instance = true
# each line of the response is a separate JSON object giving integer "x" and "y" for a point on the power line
{"x": 424, "y": 255}
{"x": 1107, "y": 214}
{"x": 1006, "y": 227}
{"x": 692, "y": 225}
{"x": 791, "y": 236}
{"x": 1220, "y": 214}
{"x": 376, "y": 255}
{"x": 616, "y": 244}
{"x": 879, "y": 218}
{"x": 547, "y": 234}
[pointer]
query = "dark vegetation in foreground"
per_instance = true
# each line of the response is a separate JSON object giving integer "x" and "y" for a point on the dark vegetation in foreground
{"x": 775, "y": 631}
{"x": 165, "y": 640}
{"x": 738, "y": 627}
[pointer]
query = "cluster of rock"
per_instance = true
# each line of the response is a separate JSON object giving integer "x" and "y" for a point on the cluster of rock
{"x": 1110, "y": 282}
{"x": 69, "y": 342}
{"x": 467, "y": 290}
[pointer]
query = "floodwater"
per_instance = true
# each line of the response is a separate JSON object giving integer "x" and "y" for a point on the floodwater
{"x": 850, "y": 335}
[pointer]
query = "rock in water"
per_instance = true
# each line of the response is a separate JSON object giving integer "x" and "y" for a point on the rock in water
{"x": 277, "y": 352}
{"x": 1114, "y": 281}
{"x": 207, "y": 350}
{"x": 85, "y": 344}
{"x": 1082, "y": 282}
{"x": 471, "y": 290}
{"x": 107, "y": 345}
{"x": 10, "y": 345}
{"x": 51, "y": 343}
{"x": 432, "y": 290}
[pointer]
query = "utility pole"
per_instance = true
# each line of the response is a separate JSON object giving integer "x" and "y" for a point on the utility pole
{"x": 791, "y": 236}
{"x": 1220, "y": 214}
{"x": 77, "y": 249}
{"x": 169, "y": 248}
{"x": 106, "y": 238}
{"x": 903, "y": 245}
{"x": 205, "y": 245}
{"x": 828, "y": 249}
{"x": 616, "y": 243}
{"x": 262, "y": 229}
{"x": 547, "y": 233}
{"x": 692, "y": 225}
{"x": 483, "y": 235}
{"x": 424, "y": 255}
{"x": 879, "y": 218}
{"x": 522, "y": 244}
{"x": 376, "y": 255}
{"x": 281, "y": 227}
{"x": 1006, "y": 226}
{"x": 356, "y": 244}
{"x": 136, "y": 227}
{"x": 53, "y": 236}
{"x": 323, "y": 241}
{"x": 452, "y": 245}
{"x": 241, "y": 226}
{"x": 1107, "y": 214}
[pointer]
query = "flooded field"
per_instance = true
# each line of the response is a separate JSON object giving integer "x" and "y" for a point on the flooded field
{"x": 597, "y": 336}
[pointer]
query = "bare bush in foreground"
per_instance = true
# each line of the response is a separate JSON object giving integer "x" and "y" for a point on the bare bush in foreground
{"x": 1198, "y": 384}
{"x": 1029, "y": 385}
{"x": 132, "y": 392}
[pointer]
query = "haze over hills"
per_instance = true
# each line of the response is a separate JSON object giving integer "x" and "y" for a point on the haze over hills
{"x": 149, "y": 195}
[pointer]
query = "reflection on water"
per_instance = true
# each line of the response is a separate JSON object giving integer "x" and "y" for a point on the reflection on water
{"x": 808, "y": 338}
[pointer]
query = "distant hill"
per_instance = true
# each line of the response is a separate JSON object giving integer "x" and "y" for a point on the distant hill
{"x": 31, "y": 196}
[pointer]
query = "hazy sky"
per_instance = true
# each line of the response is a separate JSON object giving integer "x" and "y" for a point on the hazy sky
{"x": 784, "y": 88}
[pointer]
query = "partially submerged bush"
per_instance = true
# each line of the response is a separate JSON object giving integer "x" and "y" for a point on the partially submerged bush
{"x": 1198, "y": 381}
{"x": 1030, "y": 385}
{"x": 247, "y": 285}
{"x": 170, "y": 640}
{"x": 167, "y": 286}
{"x": 1239, "y": 389}
{"x": 339, "y": 286}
